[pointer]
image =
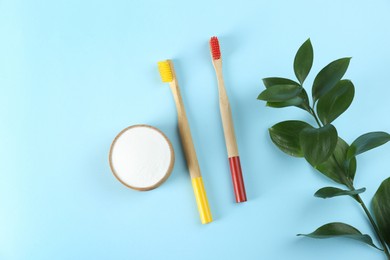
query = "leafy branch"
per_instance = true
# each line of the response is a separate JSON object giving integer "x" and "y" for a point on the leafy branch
{"x": 322, "y": 147}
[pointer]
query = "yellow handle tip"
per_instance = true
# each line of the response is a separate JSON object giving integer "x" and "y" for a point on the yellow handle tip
{"x": 201, "y": 200}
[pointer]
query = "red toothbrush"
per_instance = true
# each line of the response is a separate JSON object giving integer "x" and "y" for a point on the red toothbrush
{"x": 227, "y": 122}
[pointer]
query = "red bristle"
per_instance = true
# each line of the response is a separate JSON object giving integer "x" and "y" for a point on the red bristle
{"x": 214, "y": 46}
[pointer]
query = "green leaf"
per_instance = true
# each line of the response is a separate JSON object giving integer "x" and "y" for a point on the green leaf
{"x": 295, "y": 101}
{"x": 300, "y": 101}
{"x": 338, "y": 229}
{"x": 367, "y": 142}
{"x": 350, "y": 167}
{"x": 335, "y": 101}
{"x": 303, "y": 61}
{"x": 381, "y": 209}
{"x": 269, "y": 82}
{"x": 327, "y": 78}
{"x": 338, "y": 167}
{"x": 305, "y": 103}
{"x": 285, "y": 135}
{"x": 279, "y": 93}
{"x": 318, "y": 144}
{"x": 330, "y": 192}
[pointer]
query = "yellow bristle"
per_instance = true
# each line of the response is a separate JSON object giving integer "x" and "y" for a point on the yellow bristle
{"x": 165, "y": 71}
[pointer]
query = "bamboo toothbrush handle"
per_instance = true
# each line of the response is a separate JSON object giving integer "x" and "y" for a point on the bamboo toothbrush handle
{"x": 190, "y": 155}
{"x": 230, "y": 138}
{"x": 226, "y": 113}
{"x": 185, "y": 133}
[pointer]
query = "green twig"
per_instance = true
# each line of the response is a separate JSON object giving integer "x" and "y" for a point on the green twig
{"x": 315, "y": 116}
{"x": 374, "y": 226}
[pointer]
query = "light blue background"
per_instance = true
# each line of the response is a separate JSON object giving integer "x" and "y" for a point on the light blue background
{"x": 74, "y": 73}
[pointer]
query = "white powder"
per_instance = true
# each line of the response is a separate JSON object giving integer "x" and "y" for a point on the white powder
{"x": 141, "y": 157}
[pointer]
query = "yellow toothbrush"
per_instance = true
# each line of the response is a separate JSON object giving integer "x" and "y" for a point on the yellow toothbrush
{"x": 167, "y": 74}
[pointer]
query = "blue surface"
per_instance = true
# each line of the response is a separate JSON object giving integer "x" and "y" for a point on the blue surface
{"x": 75, "y": 73}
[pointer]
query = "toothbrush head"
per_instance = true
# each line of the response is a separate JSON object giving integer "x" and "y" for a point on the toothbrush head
{"x": 214, "y": 48}
{"x": 165, "y": 71}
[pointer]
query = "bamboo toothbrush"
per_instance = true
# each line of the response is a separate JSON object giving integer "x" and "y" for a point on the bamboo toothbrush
{"x": 227, "y": 122}
{"x": 167, "y": 73}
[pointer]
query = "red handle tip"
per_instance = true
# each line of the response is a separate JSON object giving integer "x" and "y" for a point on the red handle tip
{"x": 238, "y": 181}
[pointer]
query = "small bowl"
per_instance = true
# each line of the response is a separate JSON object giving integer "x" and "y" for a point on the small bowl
{"x": 141, "y": 157}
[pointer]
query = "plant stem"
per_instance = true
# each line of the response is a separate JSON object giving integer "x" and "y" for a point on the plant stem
{"x": 374, "y": 226}
{"x": 315, "y": 116}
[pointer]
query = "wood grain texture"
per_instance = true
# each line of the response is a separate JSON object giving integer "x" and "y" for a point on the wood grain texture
{"x": 184, "y": 128}
{"x": 226, "y": 113}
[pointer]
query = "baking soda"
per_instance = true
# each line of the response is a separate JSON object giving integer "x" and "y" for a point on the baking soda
{"x": 141, "y": 157}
